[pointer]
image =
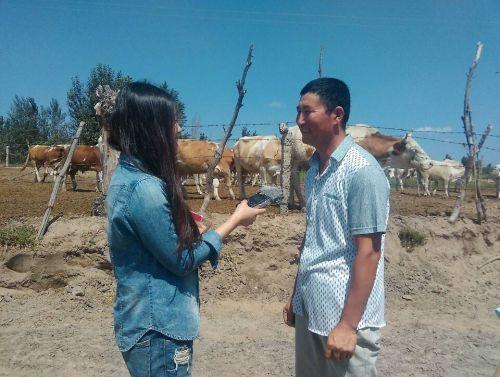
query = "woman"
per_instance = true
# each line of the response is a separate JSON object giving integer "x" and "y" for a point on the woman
{"x": 156, "y": 246}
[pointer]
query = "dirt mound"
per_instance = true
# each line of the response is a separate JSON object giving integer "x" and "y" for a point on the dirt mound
{"x": 57, "y": 297}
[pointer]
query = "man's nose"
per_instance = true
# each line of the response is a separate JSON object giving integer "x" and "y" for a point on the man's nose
{"x": 300, "y": 119}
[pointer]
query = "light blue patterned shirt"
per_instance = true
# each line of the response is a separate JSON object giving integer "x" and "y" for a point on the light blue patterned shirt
{"x": 350, "y": 197}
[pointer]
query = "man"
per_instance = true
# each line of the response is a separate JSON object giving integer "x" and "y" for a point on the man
{"x": 338, "y": 296}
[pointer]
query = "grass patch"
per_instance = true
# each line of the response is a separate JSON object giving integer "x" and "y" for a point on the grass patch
{"x": 17, "y": 235}
{"x": 411, "y": 238}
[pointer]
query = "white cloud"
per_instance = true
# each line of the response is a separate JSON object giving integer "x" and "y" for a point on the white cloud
{"x": 276, "y": 105}
{"x": 435, "y": 129}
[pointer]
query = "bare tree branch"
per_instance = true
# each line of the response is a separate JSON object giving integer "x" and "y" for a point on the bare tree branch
{"x": 320, "y": 63}
{"x": 240, "y": 85}
{"x": 473, "y": 150}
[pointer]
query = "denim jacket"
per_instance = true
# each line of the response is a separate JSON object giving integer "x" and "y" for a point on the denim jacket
{"x": 156, "y": 286}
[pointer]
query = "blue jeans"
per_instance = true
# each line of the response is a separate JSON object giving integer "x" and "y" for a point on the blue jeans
{"x": 156, "y": 355}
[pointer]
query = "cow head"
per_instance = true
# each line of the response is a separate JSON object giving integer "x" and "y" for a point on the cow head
{"x": 408, "y": 154}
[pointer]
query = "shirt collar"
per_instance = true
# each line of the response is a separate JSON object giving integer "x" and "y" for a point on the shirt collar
{"x": 132, "y": 162}
{"x": 339, "y": 153}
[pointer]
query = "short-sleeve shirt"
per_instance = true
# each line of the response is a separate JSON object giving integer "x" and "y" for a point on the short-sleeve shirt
{"x": 350, "y": 197}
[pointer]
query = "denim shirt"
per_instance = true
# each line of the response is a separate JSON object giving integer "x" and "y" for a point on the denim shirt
{"x": 156, "y": 286}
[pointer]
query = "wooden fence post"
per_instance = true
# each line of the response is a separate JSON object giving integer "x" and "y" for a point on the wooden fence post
{"x": 57, "y": 184}
{"x": 286, "y": 151}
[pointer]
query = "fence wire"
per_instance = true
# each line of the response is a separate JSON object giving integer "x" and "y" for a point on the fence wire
{"x": 18, "y": 152}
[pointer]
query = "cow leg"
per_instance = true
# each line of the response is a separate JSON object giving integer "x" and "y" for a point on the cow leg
{"x": 216, "y": 184}
{"x": 45, "y": 173}
{"x": 274, "y": 178}
{"x": 291, "y": 191}
{"x": 227, "y": 177}
{"x": 98, "y": 179}
{"x": 424, "y": 180}
{"x": 37, "y": 174}
{"x": 426, "y": 187}
{"x": 64, "y": 183}
{"x": 254, "y": 179}
{"x": 446, "y": 187}
{"x": 239, "y": 172}
{"x": 263, "y": 176}
{"x": 73, "y": 179}
{"x": 400, "y": 180}
{"x": 197, "y": 180}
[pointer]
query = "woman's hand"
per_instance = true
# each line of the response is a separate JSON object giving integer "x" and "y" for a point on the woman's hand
{"x": 242, "y": 215}
{"x": 203, "y": 227}
{"x": 245, "y": 215}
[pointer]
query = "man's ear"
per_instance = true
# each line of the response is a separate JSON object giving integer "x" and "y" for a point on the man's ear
{"x": 339, "y": 112}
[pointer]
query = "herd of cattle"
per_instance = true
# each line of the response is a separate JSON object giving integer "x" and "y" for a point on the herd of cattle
{"x": 260, "y": 157}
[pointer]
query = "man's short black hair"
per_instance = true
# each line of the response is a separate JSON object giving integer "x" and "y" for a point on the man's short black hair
{"x": 332, "y": 93}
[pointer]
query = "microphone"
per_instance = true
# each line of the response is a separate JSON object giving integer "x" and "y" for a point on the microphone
{"x": 265, "y": 196}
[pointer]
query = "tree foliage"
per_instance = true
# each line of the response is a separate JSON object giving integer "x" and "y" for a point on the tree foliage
{"x": 27, "y": 123}
{"x": 246, "y": 132}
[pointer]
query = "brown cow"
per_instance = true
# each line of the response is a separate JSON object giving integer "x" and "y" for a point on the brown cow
{"x": 85, "y": 158}
{"x": 193, "y": 157}
{"x": 44, "y": 156}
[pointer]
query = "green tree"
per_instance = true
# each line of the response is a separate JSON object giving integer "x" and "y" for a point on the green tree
{"x": 77, "y": 103}
{"x": 21, "y": 127}
{"x": 181, "y": 109}
{"x": 81, "y": 100}
{"x": 246, "y": 132}
{"x": 52, "y": 120}
{"x": 22, "y": 122}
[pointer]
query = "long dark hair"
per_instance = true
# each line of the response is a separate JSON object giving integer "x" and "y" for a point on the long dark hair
{"x": 144, "y": 127}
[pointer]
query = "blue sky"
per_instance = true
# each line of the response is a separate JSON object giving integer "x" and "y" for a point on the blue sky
{"x": 405, "y": 61}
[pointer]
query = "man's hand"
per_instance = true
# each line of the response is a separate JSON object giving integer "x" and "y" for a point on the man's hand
{"x": 288, "y": 315}
{"x": 341, "y": 342}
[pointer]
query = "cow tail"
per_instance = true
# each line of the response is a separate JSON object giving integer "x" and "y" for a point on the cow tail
{"x": 27, "y": 160}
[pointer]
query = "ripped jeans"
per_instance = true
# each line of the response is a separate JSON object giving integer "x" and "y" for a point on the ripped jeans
{"x": 156, "y": 355}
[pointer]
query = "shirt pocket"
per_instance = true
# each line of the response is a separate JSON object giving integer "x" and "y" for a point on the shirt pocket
{"x": 332, "y": 217}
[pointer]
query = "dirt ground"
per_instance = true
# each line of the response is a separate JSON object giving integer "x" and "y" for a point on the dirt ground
{"x": 56, "y": 297}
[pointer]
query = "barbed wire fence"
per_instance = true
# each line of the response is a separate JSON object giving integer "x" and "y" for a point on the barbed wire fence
{"x": 18, "y": 152}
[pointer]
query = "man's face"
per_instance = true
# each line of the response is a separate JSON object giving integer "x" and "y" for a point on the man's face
{"x": 315, "y": 123}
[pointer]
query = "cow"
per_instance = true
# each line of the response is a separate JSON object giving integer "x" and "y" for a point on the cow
{"x": 44, "y": 156}
{"x": 396, "y": 152}
{"x": 496, "y": 175}
{"x": 401, "y": 153}
{"x": 399, "y": 174}
{"x": 447, "y": 171}
{"x": 193, "y": 157}
{"x": 85, "y": 158}
{"x": 257, "y": 154}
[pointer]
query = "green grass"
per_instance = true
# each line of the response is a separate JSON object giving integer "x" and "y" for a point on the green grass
{"x": 411, "y": 238}
{"x": 17, "y": 235}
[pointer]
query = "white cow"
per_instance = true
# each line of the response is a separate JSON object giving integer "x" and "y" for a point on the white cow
{"x": 257, "y": 154}
{"x": 399, "y": 174}
{"x": 496, "y": 174}
{"x": 446, "y": 171}
{"x": 402, "y": 153}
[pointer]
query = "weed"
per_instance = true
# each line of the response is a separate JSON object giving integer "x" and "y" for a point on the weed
{"x": 411, "y": 238}
{"x": 17, "y": 235}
